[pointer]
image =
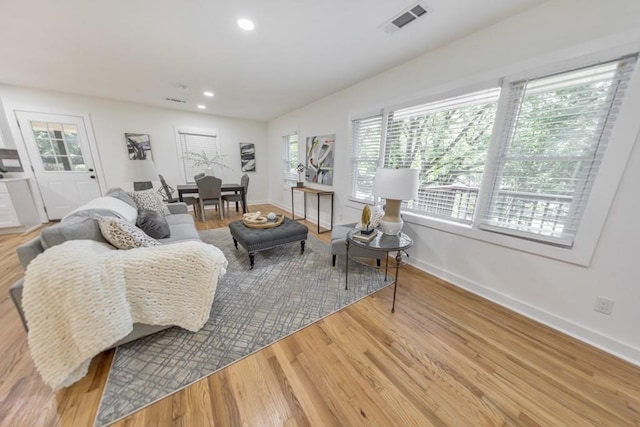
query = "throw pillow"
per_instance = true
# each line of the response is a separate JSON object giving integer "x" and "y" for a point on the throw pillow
{"x": 150, "y": 199}
{"x": 123, "y": 235}
{"x": 153, "y": 224}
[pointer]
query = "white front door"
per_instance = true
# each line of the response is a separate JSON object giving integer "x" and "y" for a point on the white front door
{"x": 58, "y": 148}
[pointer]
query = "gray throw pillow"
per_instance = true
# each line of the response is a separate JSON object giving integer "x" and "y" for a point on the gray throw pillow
{"x": 153, "y": 224}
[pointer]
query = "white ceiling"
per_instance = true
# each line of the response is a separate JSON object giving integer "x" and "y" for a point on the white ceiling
{"x": 300, "y": 50}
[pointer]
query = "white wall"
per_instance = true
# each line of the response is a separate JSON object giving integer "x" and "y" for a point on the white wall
{"x": 554, "y": 292}
{"x": 111, "y": 119}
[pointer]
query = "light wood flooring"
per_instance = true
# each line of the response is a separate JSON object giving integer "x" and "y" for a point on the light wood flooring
{"x": 445, "y": 358}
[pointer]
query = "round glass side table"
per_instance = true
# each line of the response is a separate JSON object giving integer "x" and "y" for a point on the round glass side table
{"x": 382, "y": 243}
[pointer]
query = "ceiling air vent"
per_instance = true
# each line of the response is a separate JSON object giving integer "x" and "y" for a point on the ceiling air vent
{"x": 412, "y": 13}
{"x": 179, "y": 101}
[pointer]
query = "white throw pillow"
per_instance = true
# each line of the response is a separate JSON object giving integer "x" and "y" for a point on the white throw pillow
{"x": 150, "y": 199}
{"x": 123, "y": 235}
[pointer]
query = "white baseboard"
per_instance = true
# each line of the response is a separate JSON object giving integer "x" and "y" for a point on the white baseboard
{"x": 596, "y": 339}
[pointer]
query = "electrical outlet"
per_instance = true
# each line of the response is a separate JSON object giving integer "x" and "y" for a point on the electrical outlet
{"x": 603, "y": 305}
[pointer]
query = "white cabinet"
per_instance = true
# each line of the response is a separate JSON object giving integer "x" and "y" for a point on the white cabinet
{"x": 18, "y": 210}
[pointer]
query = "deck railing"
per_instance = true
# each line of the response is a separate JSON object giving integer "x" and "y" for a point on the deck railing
{"x": 514, "y": 208}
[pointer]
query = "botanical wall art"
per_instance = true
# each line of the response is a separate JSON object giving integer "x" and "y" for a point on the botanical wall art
{"x": 138, "y": 145}
{"x": 320, "y": 159}
{"x": 247, "y": 157}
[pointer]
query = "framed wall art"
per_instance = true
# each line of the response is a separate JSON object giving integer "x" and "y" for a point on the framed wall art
{"x": 138, "y": 145}
{"x": 320, "y": 159}
{"x": 247, "y": 157}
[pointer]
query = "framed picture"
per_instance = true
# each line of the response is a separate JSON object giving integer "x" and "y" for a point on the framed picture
{"x": 138, "y": 145}
{"x": 247, "y": 157}
{"x": 320, "y": 159}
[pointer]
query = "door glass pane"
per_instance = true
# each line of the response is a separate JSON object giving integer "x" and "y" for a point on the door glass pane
{"x": 44, "y": 146}
{"x": 70, "y": 131}
{"x": 58, "y": 146}
{"x": 64, "y": 163}
{"x": 74, "y": 148}
{"x": 55, "y": 130}
{"x": 49, "y": 163}
{"x": 78, "y": 163}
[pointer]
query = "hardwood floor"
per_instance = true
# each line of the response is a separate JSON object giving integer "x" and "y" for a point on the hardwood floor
{"x": 445, "y": 358}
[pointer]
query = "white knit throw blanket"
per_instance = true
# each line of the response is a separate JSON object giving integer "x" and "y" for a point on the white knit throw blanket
{"x": 82, "y": 296}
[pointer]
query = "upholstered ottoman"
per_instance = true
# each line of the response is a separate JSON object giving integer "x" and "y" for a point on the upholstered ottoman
{"x": 258, "y": 239}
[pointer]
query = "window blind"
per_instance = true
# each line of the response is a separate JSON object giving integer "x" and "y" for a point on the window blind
{"x": 196, "y": 143}
{"x": 365, "y": 156}
{"x": 290, "y": 159}
{"x": 448, "y": 141}
{"x": 553, "y": 139}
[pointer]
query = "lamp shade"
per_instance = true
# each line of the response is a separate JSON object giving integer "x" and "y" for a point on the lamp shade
{"x": 397, "y": 184}
{"x": 141, "y": 170}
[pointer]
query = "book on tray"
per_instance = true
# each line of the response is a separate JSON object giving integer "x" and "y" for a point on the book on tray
{"x": 359, "y": 236}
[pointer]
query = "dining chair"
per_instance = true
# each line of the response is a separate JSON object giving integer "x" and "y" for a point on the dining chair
{"x": 198, "y": 176}
{"x": 209, "y": 194}
{"x": 168, "y": 191}
{"x": 237, "y": 197}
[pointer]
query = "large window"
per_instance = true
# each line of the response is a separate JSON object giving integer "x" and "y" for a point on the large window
{"x": 290, "y": 159}
{"x": 552, "y": 141}
{"x": 518, "y": 159}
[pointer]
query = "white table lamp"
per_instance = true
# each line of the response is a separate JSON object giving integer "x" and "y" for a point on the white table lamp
{"x": 395, "y": 185}
{"x": 141, "y": 173}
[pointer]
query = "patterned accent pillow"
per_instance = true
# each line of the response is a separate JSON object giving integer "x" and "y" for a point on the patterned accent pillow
{"x": 150, "y": 199}
{"x": 123, "y": 235}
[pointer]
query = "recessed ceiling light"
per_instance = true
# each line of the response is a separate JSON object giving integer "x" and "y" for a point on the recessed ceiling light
{"x": 208, "y": 93}
{"x": 202, "y": 107}
{"x": 246, "y": 24}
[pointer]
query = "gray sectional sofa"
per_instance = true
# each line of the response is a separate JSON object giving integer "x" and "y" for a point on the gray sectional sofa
{"x": 83, "y": 225}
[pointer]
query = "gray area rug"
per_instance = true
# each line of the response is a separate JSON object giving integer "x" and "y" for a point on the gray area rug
{"x": 252, "y": 309}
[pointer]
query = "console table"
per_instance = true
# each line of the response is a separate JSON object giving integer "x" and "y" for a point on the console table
{"x": 318, "y": 193}
{"x": 382, "y": 243}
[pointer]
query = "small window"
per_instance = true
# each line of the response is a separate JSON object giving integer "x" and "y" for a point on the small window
{"x": 196, "y": 148}
{"x": 290, "y": 159}
{"x": 365, "y": 156}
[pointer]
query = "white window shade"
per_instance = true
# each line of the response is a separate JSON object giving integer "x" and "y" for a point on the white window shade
{"x": 290, "y": 159}
{"x": 553, "y": 139}
{"x": 447, "y": 141}
{"x": 196, "y": 143}
{"x": 365, "y": 156}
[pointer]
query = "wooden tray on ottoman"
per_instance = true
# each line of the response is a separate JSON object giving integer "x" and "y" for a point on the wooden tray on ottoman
{"x": 263, "y": 222}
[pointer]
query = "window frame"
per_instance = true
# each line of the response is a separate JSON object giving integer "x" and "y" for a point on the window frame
{"x": 600, "y": 200}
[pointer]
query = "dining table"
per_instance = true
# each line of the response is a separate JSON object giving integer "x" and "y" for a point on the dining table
{"x": 225, "y": 188}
